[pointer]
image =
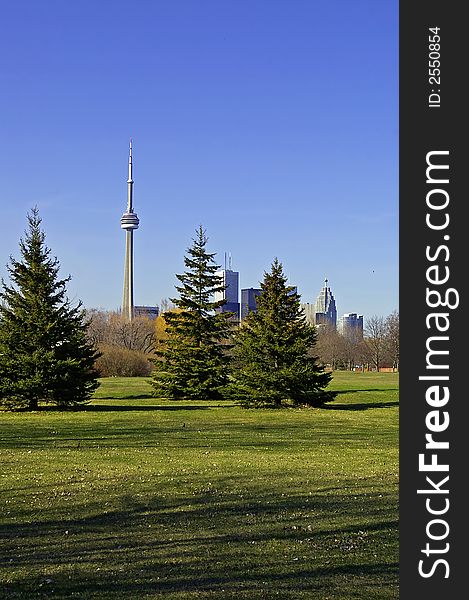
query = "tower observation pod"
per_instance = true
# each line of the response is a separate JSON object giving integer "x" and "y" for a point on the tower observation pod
{"x": 129, "y": 222}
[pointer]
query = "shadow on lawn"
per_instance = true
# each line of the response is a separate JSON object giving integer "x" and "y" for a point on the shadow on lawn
{"x": 129, "y": 407}
{"x": 208, "y": 543}
{"x": 126, "y": 397}
{"x": 360, "y": 405}
{"x": 132, "y": 407}
{"x": 396, "y": 389}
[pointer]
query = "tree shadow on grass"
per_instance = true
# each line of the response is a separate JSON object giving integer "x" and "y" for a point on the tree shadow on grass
{"x": 396, "y": 389}
{"x": 126, "y": 397}
{"x": 361, "y": 405}
{"x": 132, "y": 407}
{"x": 210, "y": 544}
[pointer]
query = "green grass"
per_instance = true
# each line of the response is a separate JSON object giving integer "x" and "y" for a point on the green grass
{"x": 136, "y": 498}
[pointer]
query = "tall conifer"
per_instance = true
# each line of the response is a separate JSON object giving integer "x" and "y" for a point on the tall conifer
{"x": 192, "y": 362}
{"x": 273, "y": 361}
{"x": 44, "y": 352}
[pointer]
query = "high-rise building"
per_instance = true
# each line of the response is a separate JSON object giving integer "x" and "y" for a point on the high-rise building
{"x": 150, "y": 312}
{"x": 350, "y": 325}
{"x": 325, "y": 309}
{"x": 230, "y": 294}
{"x": 129, "y": 222}
{"x": 309, "y": 312}
{"x": 248, "y": 301}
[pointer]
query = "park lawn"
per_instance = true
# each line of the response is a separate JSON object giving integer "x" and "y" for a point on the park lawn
{"x": 138, "y": 498}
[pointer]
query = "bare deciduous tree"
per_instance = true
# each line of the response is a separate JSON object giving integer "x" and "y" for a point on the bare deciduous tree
{"x": 138, "y": 334}
{"x": 97, "y": 331}
{"x": 353, "y": 350}
{"x": 376, "y": 339}
{"x": 108, "y": 328}
{"x": 125, "y": 347}
{"x": 330, "y": 346}
{"x": 392, "y": 339}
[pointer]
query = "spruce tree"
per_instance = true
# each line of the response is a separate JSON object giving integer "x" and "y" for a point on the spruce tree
{"x": 272, "y": 355}
{"x": 45, "y": 355}
{"x": 192, "y": 362}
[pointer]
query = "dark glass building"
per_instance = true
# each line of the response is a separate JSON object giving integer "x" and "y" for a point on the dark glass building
{"x": 230, "y": 279}
{"x": 248, "y": 301}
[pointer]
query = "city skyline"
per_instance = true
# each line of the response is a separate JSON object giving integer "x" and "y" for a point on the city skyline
{"x": 323, "y": 311}
{"x": 251, "y": 122}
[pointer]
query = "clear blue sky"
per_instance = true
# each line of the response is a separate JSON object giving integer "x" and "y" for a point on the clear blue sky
{"x": 273, "y": 123}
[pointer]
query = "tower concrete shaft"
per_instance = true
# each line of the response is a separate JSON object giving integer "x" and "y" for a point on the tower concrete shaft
{"x": 129, "y": 222}
{"x": 128, "y": 295}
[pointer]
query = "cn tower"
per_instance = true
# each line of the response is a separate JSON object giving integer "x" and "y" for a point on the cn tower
{"x": 129, "y": 222}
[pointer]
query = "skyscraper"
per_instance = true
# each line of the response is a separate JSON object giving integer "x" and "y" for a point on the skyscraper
{"x": 309, "y": 311}
{"x": 129, "y": 222}
{"x": 326, "y": 312}
{"x": 230, "y": 279}
{"x": 350, "y": 326}
{"x": 248, "y": 301}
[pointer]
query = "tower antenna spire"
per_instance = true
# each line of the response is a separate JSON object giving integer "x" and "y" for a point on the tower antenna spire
{"x": 130, "y": 182}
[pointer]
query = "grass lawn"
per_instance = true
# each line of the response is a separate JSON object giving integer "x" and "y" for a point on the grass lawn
{"x": 134, "y": 498}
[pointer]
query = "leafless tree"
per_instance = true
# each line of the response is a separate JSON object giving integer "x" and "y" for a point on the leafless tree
{"x": 125, "y": 347}
{"x": 330, "y": 346}
{"x": 392, "y": 339}
{"x": 138, "y": 334}
{"x": 353, "y": 350}
{"x": 108, "y": 328}
{"x": 98, "y": 330}
{"x": 376, "y": 340}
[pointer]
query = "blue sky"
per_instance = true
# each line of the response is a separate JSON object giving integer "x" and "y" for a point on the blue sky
{"x": 274, "y": 124}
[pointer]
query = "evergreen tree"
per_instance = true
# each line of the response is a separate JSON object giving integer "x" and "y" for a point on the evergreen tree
{"x": 192, "y": 362}
{"x": 273, "y": 362}
{"x": 44, "y": 352}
